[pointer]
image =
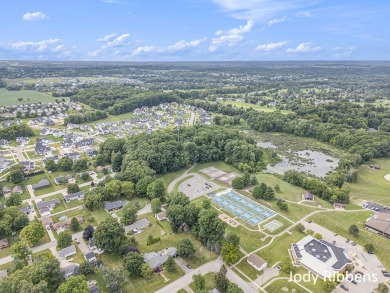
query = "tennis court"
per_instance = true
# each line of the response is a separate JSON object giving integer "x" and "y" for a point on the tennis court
{"x": 239, "y": 205}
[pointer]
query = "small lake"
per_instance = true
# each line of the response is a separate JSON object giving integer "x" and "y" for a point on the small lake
{"x": 313, "y": 162}
{"x": 267, "y": 145}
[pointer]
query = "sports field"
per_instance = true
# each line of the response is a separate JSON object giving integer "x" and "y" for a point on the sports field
{"x": 248, "y": 210}
{"x": 8, "y": 98}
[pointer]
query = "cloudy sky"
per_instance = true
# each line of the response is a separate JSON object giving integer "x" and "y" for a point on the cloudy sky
{"x": 160, "y": 30}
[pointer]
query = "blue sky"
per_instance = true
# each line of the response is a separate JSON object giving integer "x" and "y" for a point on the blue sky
{"x": 155, "y": 30}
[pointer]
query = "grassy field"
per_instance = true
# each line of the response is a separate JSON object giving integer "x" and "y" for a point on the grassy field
{"x": 8, "y": 98}
{"x": 248, "y": 270}
{"x": 280, "y": 245}
{"x": 254, "y": 106}
{"x": 202, "y": 255}
{"x": 371, "y": 184}
{"x": 169, "y": 177}
{"x": 332, "y": 222}
{"x": 249, "y": 240}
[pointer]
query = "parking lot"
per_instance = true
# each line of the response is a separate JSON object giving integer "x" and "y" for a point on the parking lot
{"x": 362, "y": 261}
{"x": 197, "y": 186}
{"x": 376, "y": 207}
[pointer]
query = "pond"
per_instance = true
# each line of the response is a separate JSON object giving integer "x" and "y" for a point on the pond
{"x": 267, "y": 145}
{"x": 313, "y": 162}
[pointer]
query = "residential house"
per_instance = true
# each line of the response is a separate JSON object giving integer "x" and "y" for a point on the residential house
{"x": 161, "y": 216}
{"x": 256, "y": 261}
{"x": 74, "y": 196}
{"x": 54, "y": 158}
{"x": 3, "y": 243}
{"x": 49, "y": 122}
{"x": 41, "y": 149}
{"x": 137, "y": 225}
{"x": 45, "y": 207}
{"x": 157, "y": 259}
{"x": 65, "y": 224}
{"x": 58, "y": 133}
{"x": 41, "y": 184}
{"x": 338, "y": 205}
{"x": 17, "y": 189}
{"x": 308, "y": 196}
{"x": 45, "y": 131}
{"x": 28, "y": 165}
{"x": 67, "y": 251}
{"x": 26, "y": 210}
{"x": 114, "y": 205}
{"x": 61, "y": 179}
{"x": 90, "y": 257}
{"x": 91, "y": 153}
{"x": 85, "y": 142}
{"x": 73, "y": 156}
{"x": 5, "y": 165}
{"x": 6, "y": 190}
{"x": 69, "y": 271}
{"x": 4, "y": 143}
{"x": 93, "y": 288}
{"x": 47, "y": 221}
{"x": 22, "y": 140}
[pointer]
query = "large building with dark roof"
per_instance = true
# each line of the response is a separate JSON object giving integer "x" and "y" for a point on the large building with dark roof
{"x": 319, "y": 256}
{"x": 380, "y": 223}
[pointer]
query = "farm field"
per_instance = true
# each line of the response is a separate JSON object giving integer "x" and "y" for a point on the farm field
{"x": 254, "y": 106}
{"x": 8, "y": 98}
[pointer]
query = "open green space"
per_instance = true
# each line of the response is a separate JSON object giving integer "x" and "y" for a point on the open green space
{"x": 249, "y": 240}
{"x": 254, "y": 106}
{"x": 339, "y": 222}
{"x": 202, "y": 254}
{"x": 248, "y": 270}
{"x": 280, "y": 245}
{"x": 371, "y": 184}
{"x": 8, "y": 98}
{"x": 284, "y": 285}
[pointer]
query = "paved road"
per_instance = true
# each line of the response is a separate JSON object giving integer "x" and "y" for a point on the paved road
{"x": 212, "y": 266}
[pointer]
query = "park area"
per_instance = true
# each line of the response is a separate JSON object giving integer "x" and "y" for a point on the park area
{"x": 237, "y": 204}
{"x": 9, "y": 98}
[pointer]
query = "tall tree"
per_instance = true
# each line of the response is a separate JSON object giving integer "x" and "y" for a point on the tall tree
{"x": 129, "y": 214}
{"x": 21, "y": 251}
{"x": 109, "y": 235}
{"x": 133, "y": 263}
{"x": 113, "y": 278}
{"x": 221, "y": 280}
{"x": 199, "y": 282}
{"x": 156, "y": 189}
{"x": 186, "y": 248}
{"x": 64, "y": 240}
{"x": 74, "y": 284}
{"x": 32, "y": 233}
{"x": 354, "y": 230}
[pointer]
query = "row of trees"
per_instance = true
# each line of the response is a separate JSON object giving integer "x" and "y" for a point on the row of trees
{"x": 14, "y": 131}
{"x": 86, "y": 117}
{"x": 66, "y": 164}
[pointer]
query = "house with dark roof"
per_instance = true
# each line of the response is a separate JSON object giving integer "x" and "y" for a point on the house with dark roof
{"x": 22, "y": 140}
{"x": 26, "y": 210}
{"x": 114, "y": 205}
{"x": 63, "y": 225}
{"x": 69, "y": 271}
{"x": 53, "y": 158}
{"x": 91, "y": 153}
{"x": 45, "y": 207}
{"x": 319, "y": 256}
{"x": 74, "y": 196}
{"x": 90, "y": 257}
{"x": 85, "y": 142}
{"x": 28, "y": 165}
{"x": 308, "y": 196}
{"x": 338, "y": 205}
{"x": 41, "y": 184}
{"x": 41, "y": 149}
{"x": 73, "y": 156}
{"x": 66, "y": 252}
{"x": 61, "y": 179}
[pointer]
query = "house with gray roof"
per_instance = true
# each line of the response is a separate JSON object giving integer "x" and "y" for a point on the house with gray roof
{"x": 69, "y": 271}
{"x": 4, "y": 143}
{"x": 66, "y": 252}
{"x": 28, "y": 165}
{"x": 158, "y": 259}
{"x": 114, "y": 205}
{"x": 41, "y": 184}
{"x": 74, "y": 196}
{"x": 319, "y": 256}
{"x": 5, "y": 165}
{"x": 61, "y": 179}
{"x": 137, "y": 225}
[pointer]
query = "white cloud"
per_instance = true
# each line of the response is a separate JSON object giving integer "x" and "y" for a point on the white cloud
{"x": 341, "y": 52}
{"x": 106, "y": 38}
{"x": 242, "y": 29}
{"x": 178, "y": 46}
{"x": 43, "y": 49}
{"x": 261, "y": 9}
{"x": 304, "y": 48}
{"x": 230, "y": 37}
{"x": 276, "y": 20}
{"x": 271, "y": 46}
{"x": 32, "y": 16}
{"x": 110, "y": 41}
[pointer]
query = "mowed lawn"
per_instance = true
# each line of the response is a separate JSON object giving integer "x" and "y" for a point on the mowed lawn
{"x": 8, "y": 98}
{"x": 371, "y": 184}
{"x": 254, "y": 106}
{"x": 339, "y": 222}
{"x": 278, "y": 249}
{"x": 249, "y": 240}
